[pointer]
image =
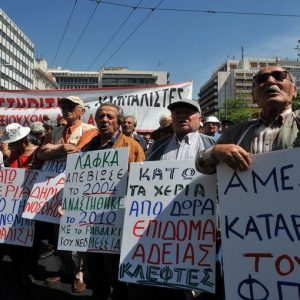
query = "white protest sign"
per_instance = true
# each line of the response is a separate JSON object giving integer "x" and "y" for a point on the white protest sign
{"x": 147, "y": 103}
{"x": 169, "y": 226}
{"x": 47, "y": 192}
{"x": 15, "y": 185}
{"x": 260, "y": 223}
{"x": 93, "y": 201}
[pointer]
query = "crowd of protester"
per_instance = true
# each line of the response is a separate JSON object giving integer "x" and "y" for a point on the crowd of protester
{"x": 182, "y": 134}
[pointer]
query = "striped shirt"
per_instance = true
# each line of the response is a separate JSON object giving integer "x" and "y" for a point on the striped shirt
{"x": 184, "y": 149}
{"x": 263, "y": 138}
{"x": 265, "y": 135}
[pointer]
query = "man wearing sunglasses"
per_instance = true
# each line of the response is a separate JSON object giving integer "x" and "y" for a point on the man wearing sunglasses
{"x": 71, "y": 137}
{"x": 277, "y": 127}
{"x": 273, "y": 90}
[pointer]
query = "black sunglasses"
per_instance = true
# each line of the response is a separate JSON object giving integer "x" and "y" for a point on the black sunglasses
{"x": 277, "y": 75}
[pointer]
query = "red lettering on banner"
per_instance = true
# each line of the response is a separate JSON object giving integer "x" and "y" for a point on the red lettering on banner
{"x": 19, "y": 104}
{"x": 61, "y": 181}
{"x": 257, "y": 256}
{"x": 24, "y": 120}
{"x": 10, "y": 102}
{"x": 51, "y": 102}
{"x": 173, "y": 253}
{"x": 32, "y": 101}
{"x": 2, "y": 121}
{"x": 48, "y": 102}
{"x": 91, "y": 120}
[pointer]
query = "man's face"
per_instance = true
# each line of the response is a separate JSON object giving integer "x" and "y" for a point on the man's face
{"x": 128, "y": 126}
{"x": 107, "y": 121}
{"x": 185, "y": 119}
{"x": 147, "y": 138}
{"x": 272, "y": 93}
{"x": 211, "y": 128}
{"x": 71, "y": 111}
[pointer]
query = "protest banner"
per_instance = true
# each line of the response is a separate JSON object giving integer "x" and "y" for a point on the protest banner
{"x": 46, "y": 194}
{"x": 169, "y": 226}
{"x": 260, "y": 226}
{"x": 15, "y": 185}
{"x": 147, "y": 103}
{"x": 93, "y": 201}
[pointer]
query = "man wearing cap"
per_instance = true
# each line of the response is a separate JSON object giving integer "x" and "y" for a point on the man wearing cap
{"x": 212, "y": 126}
{"x": 72, "y": 137}
{"x": 65, "y": 140}
{"x": 186, "y": 140}
{"x": 182, "y": 144}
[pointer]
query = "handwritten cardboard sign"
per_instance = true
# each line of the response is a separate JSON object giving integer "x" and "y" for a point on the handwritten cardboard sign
{"x": 169, "y": 226}
{"x": 93, "y": 201}
{"x": 15, "y": 185}
{"x": 46, "y": 194}
{"x": 260, "y": 221}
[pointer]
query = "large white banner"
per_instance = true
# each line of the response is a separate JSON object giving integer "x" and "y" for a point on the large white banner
{"x": 93, "y": 201}
{"x": 260, "y": 225}
{"x": 146, "y": 103}
{"x": 169, "y": 231}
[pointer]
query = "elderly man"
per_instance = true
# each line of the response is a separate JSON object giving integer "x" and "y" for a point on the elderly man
{"x": 182, "y": 144}
{"x": 212, "y": 127}
{"x": 277, "y": 127}
{"x": 128, "y": 128}
{"x": 69, "y": 139}
{"x": 103, "y": 268}
{"x": 186, "y": 140}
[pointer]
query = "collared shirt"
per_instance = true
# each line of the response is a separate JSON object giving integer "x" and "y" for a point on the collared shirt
{"x": 258, "y": 137}
{"x": 95, "y": 143}
{"x": 265, "y": 135}
{"x": 85, "y": 137}
{"x": 184, "y": 149}
{"x": 111, "y": 142}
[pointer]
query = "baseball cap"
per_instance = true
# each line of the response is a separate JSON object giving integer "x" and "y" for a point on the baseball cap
{"x": 183, "y": 102}
{"x": 74, "y": 99}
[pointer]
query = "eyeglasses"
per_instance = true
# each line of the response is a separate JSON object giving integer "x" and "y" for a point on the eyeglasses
{"x": 277, "y": 75}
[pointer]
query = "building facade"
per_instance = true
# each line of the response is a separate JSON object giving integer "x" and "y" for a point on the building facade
{"x": 107, "y": 77}
{"x": 121, "y": 76}
{"x": 233, "y": 80}
{"x": 67, "y": 79}
{"x": 16, "y": 56}
{"x": 42, "y": 80}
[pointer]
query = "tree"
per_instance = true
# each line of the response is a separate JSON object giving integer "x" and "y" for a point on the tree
{"x": 238, "y": 109}
{"x": 296, "y": 103}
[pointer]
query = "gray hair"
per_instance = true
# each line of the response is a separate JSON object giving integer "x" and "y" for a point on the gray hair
{"x": 130, "y": 115}
{"x": 120, "y": 115}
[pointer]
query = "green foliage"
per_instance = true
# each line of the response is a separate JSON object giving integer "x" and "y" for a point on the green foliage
{"x": 237, "y": 110}
{"x": 296, "y": 103}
